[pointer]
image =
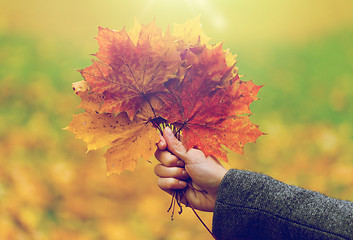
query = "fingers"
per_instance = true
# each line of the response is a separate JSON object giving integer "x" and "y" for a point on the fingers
{"x": 168, "y": 159}
{"x": 162, "y": 144}
{"x": 171, "y": 172}
{"x": 169, "y": 184}
{"x": 174, "y": 145}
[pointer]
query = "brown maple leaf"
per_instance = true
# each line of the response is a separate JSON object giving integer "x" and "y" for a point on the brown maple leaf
{"x": 128, "y": 74}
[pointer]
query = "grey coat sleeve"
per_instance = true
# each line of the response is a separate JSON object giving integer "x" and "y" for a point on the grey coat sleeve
{"x": 255, "y": 206}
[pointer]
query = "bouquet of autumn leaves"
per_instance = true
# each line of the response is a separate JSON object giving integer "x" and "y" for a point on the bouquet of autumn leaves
{"x": 144, "y": 80}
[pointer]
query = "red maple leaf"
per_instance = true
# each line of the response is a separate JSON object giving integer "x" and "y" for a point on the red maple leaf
{"x": 208, "y": 103}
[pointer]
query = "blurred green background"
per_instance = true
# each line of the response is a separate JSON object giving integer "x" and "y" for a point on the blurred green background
{"x": 302, "y": 51}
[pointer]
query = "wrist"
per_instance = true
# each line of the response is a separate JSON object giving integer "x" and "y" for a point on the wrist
{"x": 216, "y": 181}
{"x": 221, "y": 175}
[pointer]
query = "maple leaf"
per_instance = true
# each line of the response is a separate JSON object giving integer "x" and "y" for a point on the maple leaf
{"x": 233, "y": 132}
{"x": 190, "y": 34}
{"x": 144, "y": 79}
{"x": 122, "y": 135}
{"x": 192, "y": 89}
{"x": 128, "y": 74}
{"x": 208, "y": 102}
{"x": 89, "y": 101}
{"x": 206, "y": 84}
{"x": 242, "y": 95}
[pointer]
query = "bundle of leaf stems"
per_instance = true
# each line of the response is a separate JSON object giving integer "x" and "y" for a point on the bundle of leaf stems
{"x": 179, "y": 194}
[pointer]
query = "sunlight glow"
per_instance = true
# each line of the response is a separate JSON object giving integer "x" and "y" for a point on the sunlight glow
{"x": 167, "y": 12}
{"x": 215, "y": 18}
{"x": 219, "y": 22}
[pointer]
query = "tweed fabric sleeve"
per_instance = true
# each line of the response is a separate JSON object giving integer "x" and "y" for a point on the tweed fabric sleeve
{"x": 255, "y": 206}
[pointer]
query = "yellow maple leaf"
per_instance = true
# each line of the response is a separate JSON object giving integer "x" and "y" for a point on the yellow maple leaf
{"x": 190, "y": 32}
{"x": 137, "y": 141}
{"x": 128, "y": 140}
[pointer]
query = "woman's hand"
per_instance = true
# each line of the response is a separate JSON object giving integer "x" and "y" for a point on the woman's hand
{"x": 180, "y": 167}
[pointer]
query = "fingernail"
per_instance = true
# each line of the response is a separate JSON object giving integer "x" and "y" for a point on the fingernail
{"x": 180, "y": 163}
{"x": 169, "y": 132}
{"x": 160, "y": 140}
{"x": 182, "y": 184}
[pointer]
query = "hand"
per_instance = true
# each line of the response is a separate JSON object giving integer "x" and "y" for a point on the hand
{"x": 179, "y": 166}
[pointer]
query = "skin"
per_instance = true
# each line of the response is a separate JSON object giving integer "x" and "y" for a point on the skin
{"x": 179, "y": 166}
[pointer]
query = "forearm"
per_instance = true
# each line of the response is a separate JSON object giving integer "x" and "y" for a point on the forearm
{"x": 254, "y": 206}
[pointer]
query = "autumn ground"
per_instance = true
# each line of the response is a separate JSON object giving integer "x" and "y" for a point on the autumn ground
{"x": 51, "y": 189}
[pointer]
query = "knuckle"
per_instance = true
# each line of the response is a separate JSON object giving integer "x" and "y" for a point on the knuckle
{"x": 179, "y": 173}
{"x": 157, "y": 154}
{"x": 171, "y": 162}
{"x": 166, "y": 158}
{"x": 156, "y": 169}
{"x": 198, "y": 152}
{"x": 179, "y": 147}
{"x": 175, "y": 184}
{"x": 184, "y": 174}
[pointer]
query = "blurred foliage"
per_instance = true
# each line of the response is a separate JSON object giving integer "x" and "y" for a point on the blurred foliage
{"x": 310, "y": 82}
{"x": 51, "y": 189}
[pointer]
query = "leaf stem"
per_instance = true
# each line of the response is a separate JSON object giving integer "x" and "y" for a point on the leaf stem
{"x": 148, "y": 101}
{"x": 193, "y": 209}
{"x": 157, "y": 126}
{"x": 178, "y": 195}
{"x": 177, "y": 134}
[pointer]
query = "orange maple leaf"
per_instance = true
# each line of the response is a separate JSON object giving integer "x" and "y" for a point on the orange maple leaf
{"x": 145, "y": 80}
{"x": 128, "y": 74}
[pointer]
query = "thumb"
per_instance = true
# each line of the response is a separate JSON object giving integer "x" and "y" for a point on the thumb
{"x": 174, "y": 145}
